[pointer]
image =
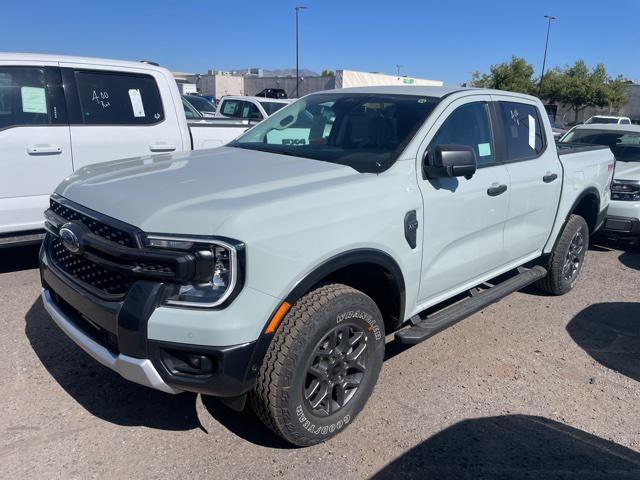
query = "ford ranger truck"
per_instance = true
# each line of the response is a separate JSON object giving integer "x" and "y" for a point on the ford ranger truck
{"x": 623, "y": 217}
{"x": 60, "y": 113}
{"x": 272, "y": 270}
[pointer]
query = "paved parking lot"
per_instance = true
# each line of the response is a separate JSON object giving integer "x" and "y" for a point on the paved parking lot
{"x": 532, "y": 387}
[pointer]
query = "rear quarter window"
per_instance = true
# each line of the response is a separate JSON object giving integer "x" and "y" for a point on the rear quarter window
{"x": 524, "y": 135}
{"x": 118, "y": 99}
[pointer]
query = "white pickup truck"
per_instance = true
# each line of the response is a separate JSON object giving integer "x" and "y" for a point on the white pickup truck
{"x": 249, "y": 108}
{"x": 345, "y": 216}
{"x": 59, "y": 113}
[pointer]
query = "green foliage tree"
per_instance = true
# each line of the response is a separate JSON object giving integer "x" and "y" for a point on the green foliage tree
{"x": 327, "y": 73}
{"x": 579, "y": 88}
{"x": 513, "y": 76}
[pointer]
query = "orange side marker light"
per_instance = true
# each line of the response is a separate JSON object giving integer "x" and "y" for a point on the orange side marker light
{"x": 277, "y": 318}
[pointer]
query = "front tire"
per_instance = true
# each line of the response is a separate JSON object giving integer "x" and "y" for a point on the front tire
{"x": 567, "y": 258}
{"x": 321, "y": 366}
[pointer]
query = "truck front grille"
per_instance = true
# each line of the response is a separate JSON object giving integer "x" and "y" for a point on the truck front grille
{"x": 98, "y": 227}
{"x": 86, "y": 272}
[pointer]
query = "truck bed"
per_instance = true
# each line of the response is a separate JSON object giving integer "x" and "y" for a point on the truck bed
{"x": 226, "y": 129}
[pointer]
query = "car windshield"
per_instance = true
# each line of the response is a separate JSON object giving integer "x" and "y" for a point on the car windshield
{"x": 201, "y": 104}
{"x": 602, "y": 120}
{"x": 272, "y": 107}
{"x": 625, "y": 145}
{"x": 189, "y": 111}
{"x": 364, "y": 131}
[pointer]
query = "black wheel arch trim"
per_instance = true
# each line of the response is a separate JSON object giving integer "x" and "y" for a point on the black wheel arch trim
{"x": 326, "y": 268}
{"x": 587, "y": 191}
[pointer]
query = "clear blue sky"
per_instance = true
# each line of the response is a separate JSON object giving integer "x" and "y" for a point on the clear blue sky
{"x": 444, "y": 40}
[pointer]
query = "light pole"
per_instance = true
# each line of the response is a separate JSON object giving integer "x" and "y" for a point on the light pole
{"x": 546, "y": 46}
{"x": 398, "y": 67}
{"x": 298, "y": 8}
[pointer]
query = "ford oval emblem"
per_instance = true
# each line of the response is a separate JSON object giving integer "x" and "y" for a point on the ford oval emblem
{"x": 69, "y": 239}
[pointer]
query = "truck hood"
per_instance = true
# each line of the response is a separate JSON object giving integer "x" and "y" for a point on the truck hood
{"x": 627, "y": 171}
{"x": 195, "y": 192}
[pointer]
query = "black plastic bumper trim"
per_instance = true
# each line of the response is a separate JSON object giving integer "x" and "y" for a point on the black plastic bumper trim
{"x": 229, "y": 378}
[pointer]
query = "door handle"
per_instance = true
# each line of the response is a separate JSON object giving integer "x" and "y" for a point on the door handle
{"x": 44, "y": 149}
{"x": 496, "y": 190}
{"x": 549, "y": 177}
{"x": 161, "y": 147}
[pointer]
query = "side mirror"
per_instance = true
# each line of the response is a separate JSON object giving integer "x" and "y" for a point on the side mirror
{"x": 450, "y": 161}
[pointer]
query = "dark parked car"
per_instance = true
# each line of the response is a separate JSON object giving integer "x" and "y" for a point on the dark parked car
{"x": 272, "y": 93}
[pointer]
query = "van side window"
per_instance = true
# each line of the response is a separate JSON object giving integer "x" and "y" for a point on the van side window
{"x": 23, "y": 97}
{"x": 468, "y": 125}
{"x": 524, "y": 137}
{"x": 118, "y": 99}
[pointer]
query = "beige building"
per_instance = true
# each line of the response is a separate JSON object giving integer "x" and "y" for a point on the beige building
{"x": 221, "y": 84}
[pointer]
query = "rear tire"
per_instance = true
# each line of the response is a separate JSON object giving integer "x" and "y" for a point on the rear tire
{"x": 321, "y": 366}
{"x": 567, "y": 258}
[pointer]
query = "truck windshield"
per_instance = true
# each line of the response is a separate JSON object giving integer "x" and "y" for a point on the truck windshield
{"x": 364, "y": 131}
{"x": 625, "y": 145}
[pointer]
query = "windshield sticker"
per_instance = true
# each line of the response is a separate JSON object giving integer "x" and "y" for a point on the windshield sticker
{"x": 532, "y": 132}
{"x": 484, "y": 149}
{"x": 33, "y": 100}
{"x": 136, "y": 102}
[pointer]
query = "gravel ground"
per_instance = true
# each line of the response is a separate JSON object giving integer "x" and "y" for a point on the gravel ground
{"x": 532, "y": 387}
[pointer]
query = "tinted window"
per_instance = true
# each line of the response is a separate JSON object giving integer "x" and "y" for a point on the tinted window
{"x": 522, "y": 130}
{"x": 201, "y": 104}
{"x": 230, "y": 108}
{"x": 118, "y": 99}
{"x": 624, "y": 145}
{"x": 624, "y": 121}
{"x": 364, "y": 131}
{"x": 23, "y": 98}
{"x": 189, "y": 111}
{"x": 468, "y": 125}
{"x": 272, "y": 107}
{"x": 601, "y": 120}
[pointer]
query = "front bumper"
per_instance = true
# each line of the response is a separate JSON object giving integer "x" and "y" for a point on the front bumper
{"x": 115, "y": 333}
{"x": 623, "y": 220}
{"x": 137, "y": 370}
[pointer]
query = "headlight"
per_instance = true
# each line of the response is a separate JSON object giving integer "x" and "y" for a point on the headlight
{"x": 626, "y": 190}
{"x": 217, "y": 270}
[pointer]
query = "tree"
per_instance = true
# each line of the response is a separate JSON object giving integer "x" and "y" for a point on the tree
{"x": 580, "y": 88}
{"x": 513, "y": 76}
{"x": 327, "y": 73}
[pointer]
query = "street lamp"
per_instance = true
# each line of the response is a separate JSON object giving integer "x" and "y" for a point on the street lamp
{"x": 298, "y": 8}
{"x": 398, "y": 67}
{"x": 546, "y": 46}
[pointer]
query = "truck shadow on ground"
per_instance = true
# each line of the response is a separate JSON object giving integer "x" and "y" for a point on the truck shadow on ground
{"x": 245, "y": 424}
{"x": 99, "y": 390}
{"x": 108, "y": 396}
{"x": 610, "y": 334}
{"x": 514, "y": 447}
{"x": 14, "y": 259}
{"x": 630, "y": 259}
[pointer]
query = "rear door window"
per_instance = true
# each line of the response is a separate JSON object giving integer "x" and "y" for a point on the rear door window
{"x": 23, "y": 97}
{"x": 118, "y": 99}
{"x": 523, "y": 132}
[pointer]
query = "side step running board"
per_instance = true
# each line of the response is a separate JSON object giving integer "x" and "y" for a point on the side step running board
{"x": 439, "y": 321}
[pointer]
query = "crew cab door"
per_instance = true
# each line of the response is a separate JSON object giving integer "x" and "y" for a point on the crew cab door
{"x": 535, "y": 175}
{"x": 34, "y": 142}
{"x": 463, "y": 220}
{"x": 119, "y": 113}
